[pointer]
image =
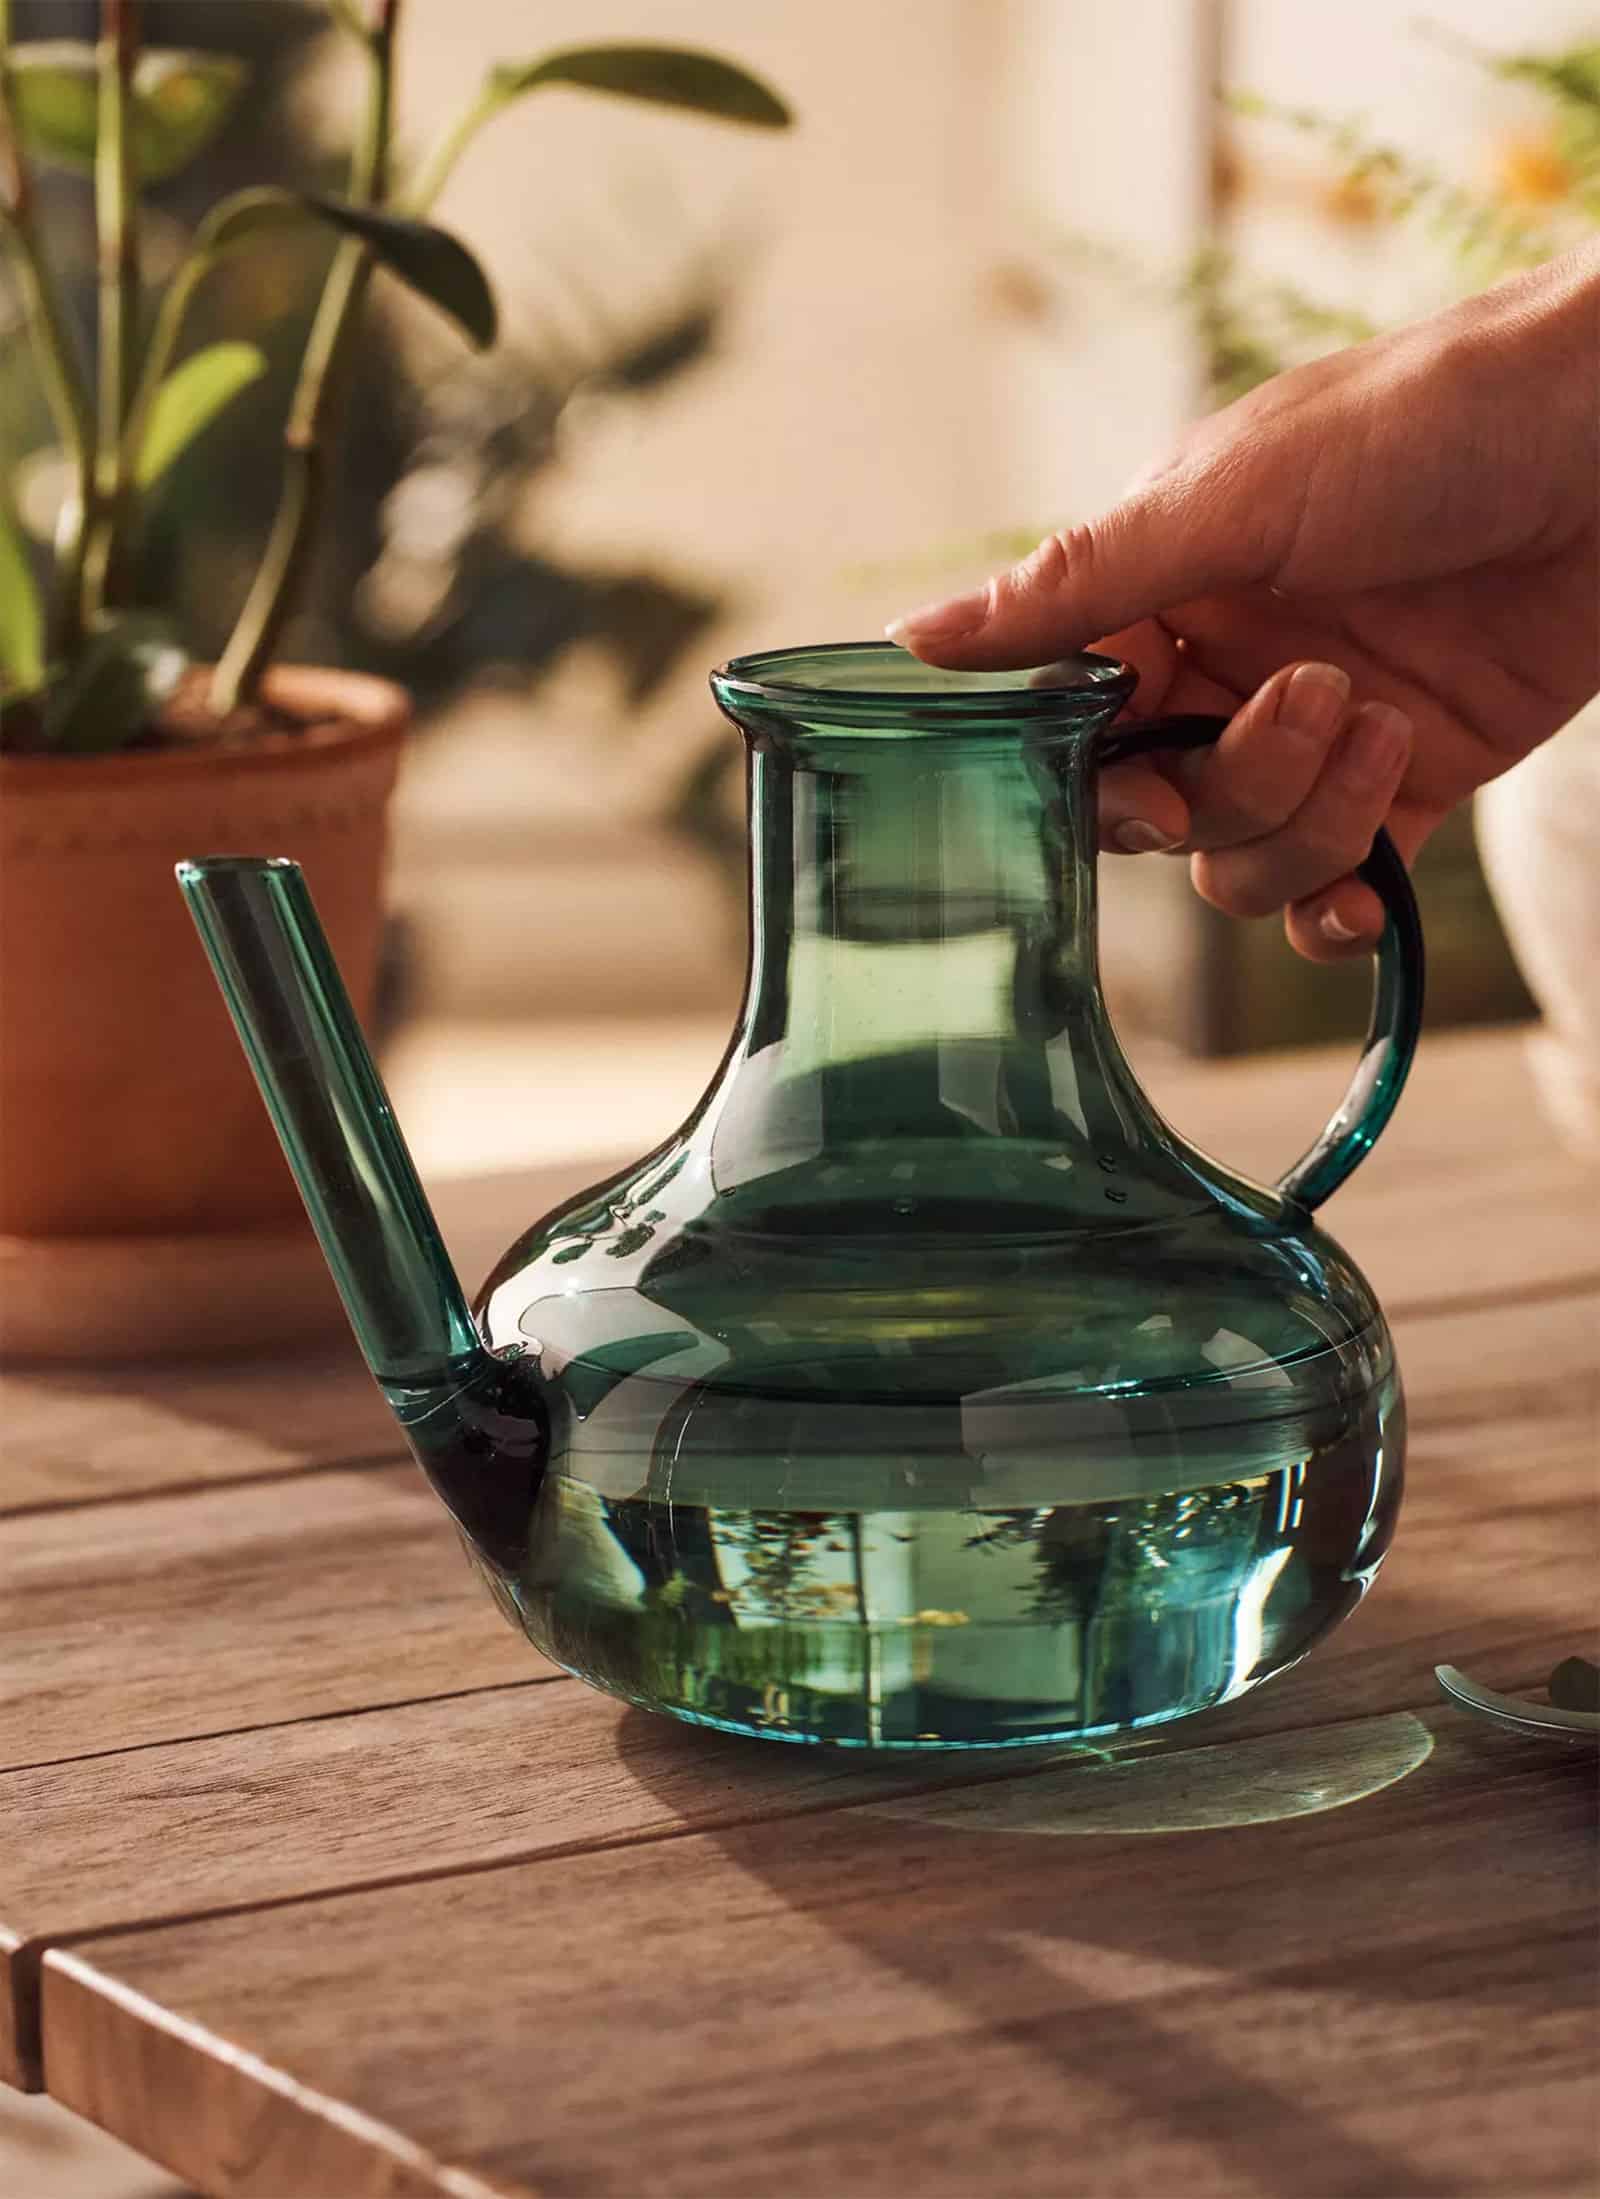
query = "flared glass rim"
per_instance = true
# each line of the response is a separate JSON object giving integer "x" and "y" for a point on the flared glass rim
{"x": 1081, "y": 690}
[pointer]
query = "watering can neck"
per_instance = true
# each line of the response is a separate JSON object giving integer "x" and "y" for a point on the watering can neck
{"x": 922, "y": 939}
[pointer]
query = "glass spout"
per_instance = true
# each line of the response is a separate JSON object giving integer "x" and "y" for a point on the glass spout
{"x": 476, "y": 1421}
{"x": 332, "y": 1115}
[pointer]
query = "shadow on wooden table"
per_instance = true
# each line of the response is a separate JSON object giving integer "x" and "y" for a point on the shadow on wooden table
{"x": 93, "y": 1435}
{"x": 1333, "y": 1950}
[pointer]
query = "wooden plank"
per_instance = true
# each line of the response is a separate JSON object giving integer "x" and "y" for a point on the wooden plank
{"x": 381, "y": 1797}
{"x": 103, "y": 1434}
{"x": 1467, "y": 1196}
{"x": 1505, "y": 1235}
{"x": 390, "y": 1795}
{"x": 124, "y": 1624}
{"x": 1470, "y": 1095}
{"x": 98, "y": 1436}
{"x": 1503, "y": 1365}
{"x": 195, "y": 1591}
{"x": 75, "y": 1436}
{"x": 1498, "y": 1576}
{"x": 1153, "y": 1978}
{"x": 341, "y": 1802}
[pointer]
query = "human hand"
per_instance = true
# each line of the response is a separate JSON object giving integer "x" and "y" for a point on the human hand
{"x": 1383, "y": 567}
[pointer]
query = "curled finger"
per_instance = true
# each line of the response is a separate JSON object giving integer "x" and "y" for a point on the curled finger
{"x": 1270, "y": 758}
{"x": 1328, "y": 835}
{"x": 1141, "y": 813}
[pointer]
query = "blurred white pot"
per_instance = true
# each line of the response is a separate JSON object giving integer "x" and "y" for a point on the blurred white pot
{"x": 1539, "y": 835}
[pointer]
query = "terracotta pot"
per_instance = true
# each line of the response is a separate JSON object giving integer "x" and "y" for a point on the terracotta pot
{"x": 144, "y": 1205}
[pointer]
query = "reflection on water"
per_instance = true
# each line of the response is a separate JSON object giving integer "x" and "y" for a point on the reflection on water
{"x": 741, "y": 1587}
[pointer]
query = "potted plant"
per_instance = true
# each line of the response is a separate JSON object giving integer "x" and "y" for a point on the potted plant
{"x": 144, "y": 1208}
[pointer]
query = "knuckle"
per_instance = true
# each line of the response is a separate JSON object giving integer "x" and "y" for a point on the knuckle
{"x": 1237, "y": 888}
{"x": 1065, "y": 561}
{"x": 1252, "y": 811}
{"x": 1049, "y": 564}
{"x": 1129, "y": 789}
{"x": 1329, "y": 846}
{"x": 1071, "y": 552}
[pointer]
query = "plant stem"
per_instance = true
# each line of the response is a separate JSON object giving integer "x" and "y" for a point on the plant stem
{"x": 117, "y": 229}
{"x": 55, "y": 349}
{"x": 348, "y": 15}
{"x": 440, "y": 164}
{"x": 273, "y": 592}
{"x": 163, "y": 341}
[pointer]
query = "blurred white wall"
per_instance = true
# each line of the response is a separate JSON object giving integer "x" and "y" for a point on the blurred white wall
{"x": 872, "y": 410}
{"x": 1107, "y": 139}
{"x": 836, "y": 424}
{"x": 878, "y": 405}
{"x": 869, "y": 404}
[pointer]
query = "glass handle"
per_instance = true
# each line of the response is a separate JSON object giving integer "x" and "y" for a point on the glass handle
{"x": 1399, "y": 971}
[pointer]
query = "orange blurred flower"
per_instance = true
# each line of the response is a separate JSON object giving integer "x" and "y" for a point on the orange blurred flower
{"x": 1350, "y": 199}
{"x": 1529, "y": 171}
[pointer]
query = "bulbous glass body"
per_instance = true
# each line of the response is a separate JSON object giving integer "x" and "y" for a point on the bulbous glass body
{"x": 926, "y": 1390}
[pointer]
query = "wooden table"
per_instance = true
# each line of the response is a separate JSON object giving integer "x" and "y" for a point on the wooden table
{"x": 314, "y": 1880}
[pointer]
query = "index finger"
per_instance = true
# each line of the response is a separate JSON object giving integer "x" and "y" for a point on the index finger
{"x": 1162, "y": 546}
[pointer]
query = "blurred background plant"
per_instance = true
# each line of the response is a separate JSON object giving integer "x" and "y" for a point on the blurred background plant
{"x": 416, "y": 567}
{"x": 1541, "y": 197}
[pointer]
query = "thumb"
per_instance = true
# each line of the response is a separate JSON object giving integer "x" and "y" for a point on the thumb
{"x": 1181, "y": 535}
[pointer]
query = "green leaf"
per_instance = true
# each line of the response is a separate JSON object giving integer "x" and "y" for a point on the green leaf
{"x": 1573, "y": 76}
{"x": 668, "y": 76}
{"x": 180, "y": 101}
{"x": 55, "y": 99}
{"x": 428, "y": 260}
{"x": 190, "y": 399}
{"x": 127, "y": 669}
{"x": 21, "y": 623}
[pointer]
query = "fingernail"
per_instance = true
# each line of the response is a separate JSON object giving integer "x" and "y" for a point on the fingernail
{"x": 1332, "y": 926}
{"x": 1380, "y": 736}
{"x": 936, "y": 623}
{"x": 1314, "y": 700}
{"x": 1138, "y": 838}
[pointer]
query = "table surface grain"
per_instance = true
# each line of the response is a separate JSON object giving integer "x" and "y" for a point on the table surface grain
{"x": 315, "y": 1880}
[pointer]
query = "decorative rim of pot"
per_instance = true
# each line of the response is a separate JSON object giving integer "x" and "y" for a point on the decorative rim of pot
{"x": 345, "y": 712}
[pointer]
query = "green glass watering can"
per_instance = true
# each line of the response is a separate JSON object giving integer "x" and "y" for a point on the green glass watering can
{"x": 925, "y": 1390}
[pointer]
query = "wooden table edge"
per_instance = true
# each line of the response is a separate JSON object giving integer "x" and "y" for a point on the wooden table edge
{"x": 23, "y": 1951}
{"x": 369, "y": 2158}
{"x": 27, "y": 1959}
{"x": 159, "y": 2080}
